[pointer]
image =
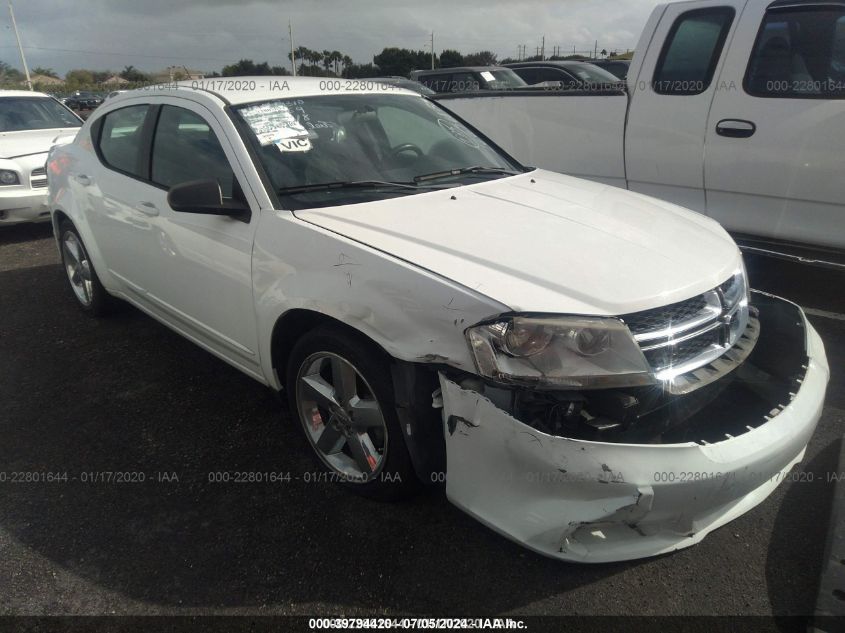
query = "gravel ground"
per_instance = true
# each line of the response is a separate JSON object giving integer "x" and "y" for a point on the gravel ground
{"x": 126, "y": 394}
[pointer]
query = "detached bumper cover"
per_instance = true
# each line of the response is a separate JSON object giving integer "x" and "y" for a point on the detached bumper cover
{"x": 597, "y": 501}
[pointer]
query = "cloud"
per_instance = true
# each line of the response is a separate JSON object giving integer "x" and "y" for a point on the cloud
{"x": 206, "y": 34}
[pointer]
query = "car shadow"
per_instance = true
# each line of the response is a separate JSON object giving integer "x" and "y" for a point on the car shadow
{"x": 793, "y": 579}
{"x": 17, "y": 233}
{"x": 126, "y": 395}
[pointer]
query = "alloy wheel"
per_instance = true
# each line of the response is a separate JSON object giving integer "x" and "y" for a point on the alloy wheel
{"x": 78, "y": 268}
{"x": 342, "y": 417}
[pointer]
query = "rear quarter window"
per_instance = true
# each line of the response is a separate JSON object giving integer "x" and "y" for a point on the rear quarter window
{"x": 691, "y": 52}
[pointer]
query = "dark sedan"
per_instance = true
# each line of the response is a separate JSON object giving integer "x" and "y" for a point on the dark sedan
{"x": 80, "y": 100}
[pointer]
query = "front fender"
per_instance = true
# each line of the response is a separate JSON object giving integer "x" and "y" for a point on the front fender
{"x": 413, "y": 314}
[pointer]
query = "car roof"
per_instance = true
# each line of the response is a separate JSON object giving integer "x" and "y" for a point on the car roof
{"x": 237, "y": 90}
{"x": 420, "y": 73}
{"x": 565, "y": 63}
{"x": 22, "y": 93}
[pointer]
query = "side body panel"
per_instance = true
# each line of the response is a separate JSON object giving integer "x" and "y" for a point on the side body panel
{"x": 579, "y": 135}
{"x": 785, "y": 181}
{"x": 190, "y": 271}
{"x": 196, "y": 271}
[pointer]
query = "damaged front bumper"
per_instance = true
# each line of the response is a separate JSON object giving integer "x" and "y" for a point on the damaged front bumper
{"x": 601, "y": 501}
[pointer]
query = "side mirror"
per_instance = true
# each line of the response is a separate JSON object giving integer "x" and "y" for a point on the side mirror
{"x": 204, "y": 196}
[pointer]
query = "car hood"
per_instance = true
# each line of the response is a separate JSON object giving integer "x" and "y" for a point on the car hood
{"x": 545, "y": 242}
{"x": 26, "y": 142}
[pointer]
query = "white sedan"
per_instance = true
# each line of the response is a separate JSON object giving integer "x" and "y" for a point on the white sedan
{"x": 30, "y": 124}
{"x": 584, "y": 367}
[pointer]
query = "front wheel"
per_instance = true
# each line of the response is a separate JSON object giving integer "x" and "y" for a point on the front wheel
{"x": 341, "y": 392}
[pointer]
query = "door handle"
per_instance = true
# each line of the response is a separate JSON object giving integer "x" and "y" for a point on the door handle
{"x": 147, "y": 208}
{"x": 82, "y": 179}
{"x": 735, "y": 128}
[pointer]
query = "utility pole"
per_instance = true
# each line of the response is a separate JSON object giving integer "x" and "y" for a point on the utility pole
{"x": 596, "y": 50}
{"x": 543, "y": 49}
{"x": 432, "y": 50}
{"x": 292, "y": 56}
{"x": 20, "y": 48}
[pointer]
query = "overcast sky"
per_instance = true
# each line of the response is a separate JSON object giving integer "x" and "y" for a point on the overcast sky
{"x": 207, "y": 34}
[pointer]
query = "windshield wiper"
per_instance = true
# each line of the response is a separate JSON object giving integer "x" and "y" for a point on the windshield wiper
{"x": 347, "y": 184}
{"x": 465, "y": 170}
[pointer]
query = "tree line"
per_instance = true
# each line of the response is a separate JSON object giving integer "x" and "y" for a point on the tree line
{"x": 391, "y": 61}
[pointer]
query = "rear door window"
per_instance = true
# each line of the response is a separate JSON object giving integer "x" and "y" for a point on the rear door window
{"x": 692, "y": 50}
{"x": 529, "y": 75}
{"x": 119, "y": 141}
{"x": 464, "y": 82}
{"x": 556, "y": 74}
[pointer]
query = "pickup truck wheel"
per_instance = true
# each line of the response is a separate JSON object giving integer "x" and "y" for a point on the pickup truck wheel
{"x": 341, "y": 391}
{"x": 83, "y": 280}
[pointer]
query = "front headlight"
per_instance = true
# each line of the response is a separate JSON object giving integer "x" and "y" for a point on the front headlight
{"x": 8, "y": 177}
{"x": 559, "y": 352}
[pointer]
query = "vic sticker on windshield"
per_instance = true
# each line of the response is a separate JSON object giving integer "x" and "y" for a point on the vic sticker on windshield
{"x": 273, "y": 122}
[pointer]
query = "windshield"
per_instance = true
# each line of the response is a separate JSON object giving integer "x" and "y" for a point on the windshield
{"x": 593, "y": 74}
{"x": 34, "y": 113}
{"x": 368, "y": 146}
{"x": 502, "y": 79}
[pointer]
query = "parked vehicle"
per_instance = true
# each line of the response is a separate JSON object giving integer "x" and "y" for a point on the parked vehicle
{"x": 468, "y": 79}
{"x": 617, "y": 67}
{"x": 571, "y": 75}
{"x": 30, "y": 123}
{"x": 734, "y": 109}
{"x": 583, "y": 366}
{"x": 81, "y": 100}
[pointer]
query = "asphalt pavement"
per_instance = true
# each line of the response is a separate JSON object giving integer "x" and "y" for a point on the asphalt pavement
{"x": 127, "y": 395}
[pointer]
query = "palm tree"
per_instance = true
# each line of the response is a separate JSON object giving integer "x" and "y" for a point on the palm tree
{"x": 337, "y": 56}
{"x": 347, "y": 61}
{"x": 327, "y": 60}
{"x": 302, "y": 53}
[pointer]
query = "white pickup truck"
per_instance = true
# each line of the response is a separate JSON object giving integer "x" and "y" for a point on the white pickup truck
{"x": 733, "y": 108}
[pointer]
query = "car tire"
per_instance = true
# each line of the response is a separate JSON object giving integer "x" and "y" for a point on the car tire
{"x": 82, "y": 279}
{"x": 340, "y": 393}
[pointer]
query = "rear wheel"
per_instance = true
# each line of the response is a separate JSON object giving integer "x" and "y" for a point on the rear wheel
{"x": 341, "y": 392}
{"x": 83, "y": 280}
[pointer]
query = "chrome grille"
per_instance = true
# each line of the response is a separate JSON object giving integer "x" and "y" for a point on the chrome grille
{"x": 682, "y": 338}
{"x": 658, "y": 319}
{"x": 683, "y": 352}
{"x": 38, "y": 178}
